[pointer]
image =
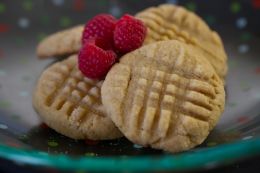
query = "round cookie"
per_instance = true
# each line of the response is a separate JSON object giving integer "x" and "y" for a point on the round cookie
{"x": 71, "y": 104}
{"x": 165, "y": 95}
{"x": 167, "y": 22}
{"x": 62, "y": 43}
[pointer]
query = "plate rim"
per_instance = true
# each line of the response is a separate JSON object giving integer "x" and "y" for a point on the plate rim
{"x": 202, "y": 158}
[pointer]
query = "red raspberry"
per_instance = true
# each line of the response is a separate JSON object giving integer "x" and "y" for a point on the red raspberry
{"x": 102, "y": 26}
{"x": 93, "y": 60}
{"x": 129, "y": 34}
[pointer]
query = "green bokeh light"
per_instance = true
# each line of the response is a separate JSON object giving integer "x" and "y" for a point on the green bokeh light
{"x": 211, "y": 144}
{"x": 41, "y": 36}
{"x": 27, "y": 5}
{"x": 5, "y": 104}
{"x": 53, "y": 143}
{"x": 103, "y": 3}
{"x": 210, "y": 19}
{"x": 19, "y": 41}
{"x": 23, "y": 137}
{"x": 65, "y": 21}
{"x": 191, "y": 6}
{"x": 45, "y": 20}
{"x": 2, "y": 7}
{"x": 235, "y": 7}
{"x": 246, "y": 36}
{"x": 90, "y": 154}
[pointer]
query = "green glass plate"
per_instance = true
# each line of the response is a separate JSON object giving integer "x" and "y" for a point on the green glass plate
{"x": 24, "y": 139}
{"x": 200, "y": 159}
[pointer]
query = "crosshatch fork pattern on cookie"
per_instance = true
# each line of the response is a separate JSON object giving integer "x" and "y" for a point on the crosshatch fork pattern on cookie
{"x": 187, "y": 27}
{"x": 169, "y": 96}
{"x": 167, "y": 22}
{"x": 69, "y": 91}
{"x": 159, "y": 92}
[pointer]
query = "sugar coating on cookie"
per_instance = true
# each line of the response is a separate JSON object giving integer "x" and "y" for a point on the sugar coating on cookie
{"x": 71, "y": 104}
{"x": 168, "y": 21}
{"x": 165, "y": 95}
{"x": 62, "y": 43}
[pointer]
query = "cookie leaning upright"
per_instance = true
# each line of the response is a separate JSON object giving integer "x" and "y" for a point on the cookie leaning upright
{"x": 71, "y": 104}
{"x": 62, "y": 43}
{"x": 167, "y": 22}
{"x": 165, "y": 95}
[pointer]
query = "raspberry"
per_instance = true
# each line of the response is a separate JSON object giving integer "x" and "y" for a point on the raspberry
{"x": 102, "y": 26}
{"x": 129, "y": 34}
{"x": 93, "y": 61}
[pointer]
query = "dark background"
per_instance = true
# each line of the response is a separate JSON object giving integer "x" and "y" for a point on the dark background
{"x": 41, "y": 17}
{"x": 23, "y": 23}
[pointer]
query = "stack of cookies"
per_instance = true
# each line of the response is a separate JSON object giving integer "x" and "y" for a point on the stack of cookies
{"x": 168, "y": 94}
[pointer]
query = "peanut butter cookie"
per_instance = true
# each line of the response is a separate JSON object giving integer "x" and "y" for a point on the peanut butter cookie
{"x": 165, "y": 95}
{"x": 167, "y": 22}
{"x": 71, "y": 104}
